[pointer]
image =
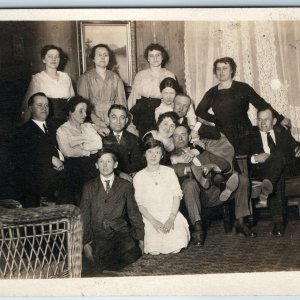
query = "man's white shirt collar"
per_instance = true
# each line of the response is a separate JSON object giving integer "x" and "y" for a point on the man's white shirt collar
{"x": 40, "y": 124}
{"x": 111, "y": 179}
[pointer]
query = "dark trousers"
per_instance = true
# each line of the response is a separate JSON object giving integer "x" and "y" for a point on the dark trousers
{"x": 78, "y": 171}
{"x": 273, "y": 169}
{"x": 209, "y": 158}
{"x": 195, "y": 197}
{"x": 116, "y": 251}
{"x": 43, "y": 184}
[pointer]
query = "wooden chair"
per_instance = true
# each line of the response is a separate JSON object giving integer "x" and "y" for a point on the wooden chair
{"x": 43, "y": 242}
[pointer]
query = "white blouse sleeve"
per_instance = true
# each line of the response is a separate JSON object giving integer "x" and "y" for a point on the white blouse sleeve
{"x": 191, "y": 116}
{"x": 174, "y": 184}
{"x": 65, "y": 142}
{"x": 135, "y": 91}
{"x": 139, "y": 192}
{"x": 71, "y": 90}
{"x": 93, "y": 140}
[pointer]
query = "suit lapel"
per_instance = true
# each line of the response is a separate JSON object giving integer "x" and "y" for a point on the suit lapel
{"x": 112, "y": 197}
{"x": 114, "y": 187}
{"x": 35, "y": 128}
{"x": 278, "y": 137}
{"x": 124, "y": 138}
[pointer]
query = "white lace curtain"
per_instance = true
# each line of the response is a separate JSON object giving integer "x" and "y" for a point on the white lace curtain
{"x": 267, "y": 55}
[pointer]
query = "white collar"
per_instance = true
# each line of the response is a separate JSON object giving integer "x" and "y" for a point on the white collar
{"x": 40, "y": 123}
{"x": 111, "y": 179}
{"x": 118, "y": 133}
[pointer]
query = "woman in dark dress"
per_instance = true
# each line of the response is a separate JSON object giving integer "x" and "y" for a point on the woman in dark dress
{"x": 230, "y": 101}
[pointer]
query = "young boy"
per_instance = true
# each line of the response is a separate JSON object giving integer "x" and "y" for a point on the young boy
{"x": 109, "y": 242}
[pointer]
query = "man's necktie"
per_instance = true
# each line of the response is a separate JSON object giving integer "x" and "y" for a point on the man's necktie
{"x": 271, "y": 143}
{"x": 45, "y": 128}
{"x": 118, "y": 138}
{"x": 107, "y": 186}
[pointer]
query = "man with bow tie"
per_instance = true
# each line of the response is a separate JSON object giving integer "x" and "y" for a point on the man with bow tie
{"x": 39, "y": 164}
{"x": 273, "y": 153}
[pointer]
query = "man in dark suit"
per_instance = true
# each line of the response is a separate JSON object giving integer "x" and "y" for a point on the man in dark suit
{"x": 39, "y": 164}
{"x": 189, "y": 165}
{"x": 109, "y": 242}
{"x": 273, "y": 154}
{"x": 125, "y": 144}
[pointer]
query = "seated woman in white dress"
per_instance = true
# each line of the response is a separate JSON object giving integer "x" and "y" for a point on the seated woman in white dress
{"x": 79, "y": 142}
{"x": 158, "y": 195}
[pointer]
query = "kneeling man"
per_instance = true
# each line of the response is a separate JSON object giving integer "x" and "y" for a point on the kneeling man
{"x": 109, "y": 241}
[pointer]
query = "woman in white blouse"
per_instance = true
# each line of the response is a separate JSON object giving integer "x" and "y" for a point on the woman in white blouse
{"x": 79, "y": 142}
{"x": 145, "y": 96}
{"x": 56, "y": 85}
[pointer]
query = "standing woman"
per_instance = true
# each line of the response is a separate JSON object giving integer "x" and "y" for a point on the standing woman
{"x": 145, "y": 96}
{"x": 158, "y": 195}
{"x": 56, "y": 85}
{"x": 102, "y": 87}
{"x": 230, "y": 101}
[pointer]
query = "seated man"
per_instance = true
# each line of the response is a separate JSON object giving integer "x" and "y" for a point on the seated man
{"x": 189, "y": 164}
{"x": 108, "y": 240}
{"x": 217, "y": 143}
{"x": 39, "y": 164}
{"x": 272, "y": 150}
{"x": 125, "y": 144}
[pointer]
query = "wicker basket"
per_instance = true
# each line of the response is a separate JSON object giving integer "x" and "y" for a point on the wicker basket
{"x": 43, "y": 242}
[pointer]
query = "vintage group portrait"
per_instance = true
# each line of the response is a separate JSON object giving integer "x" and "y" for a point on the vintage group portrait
{"x": 150, "y": 151}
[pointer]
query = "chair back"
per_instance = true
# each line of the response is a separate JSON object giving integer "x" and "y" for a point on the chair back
{"x": 42, "y": 242}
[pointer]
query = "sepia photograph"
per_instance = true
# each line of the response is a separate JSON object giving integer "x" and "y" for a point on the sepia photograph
{"x": 150, "y": 152}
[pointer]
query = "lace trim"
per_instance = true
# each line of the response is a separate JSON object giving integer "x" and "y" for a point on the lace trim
{"x": 229, "y": 36}
{"x": 187, "y": 71}
{"x": 271, "y": 88}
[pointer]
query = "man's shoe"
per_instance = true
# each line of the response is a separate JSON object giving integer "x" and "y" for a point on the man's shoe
{"x": 278, "y": 229}
{"x": 244, "y": 230}
{"x": 231, "y": 185}
{"x": 266, "y": 190}
{"x": 198, "y": 234}
{"x": 198, "y": 174}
